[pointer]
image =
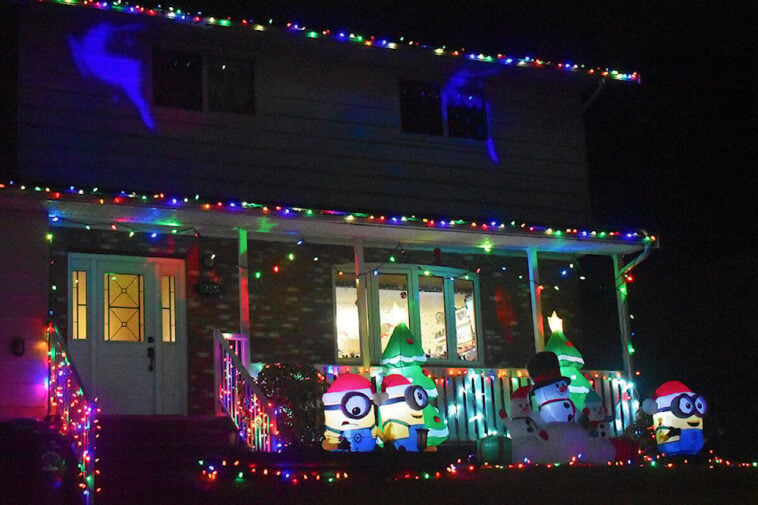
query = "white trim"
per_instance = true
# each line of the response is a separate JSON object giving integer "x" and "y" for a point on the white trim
{"x": 398, "y": 390}
{"x": 438, "y": 433}
{"x": 536, "y": 295}
{"x": 575, "y": 359}
{"x": 399, "y": 358}
{"x": 340, "y": 230}
{"x": 578, "y": 389}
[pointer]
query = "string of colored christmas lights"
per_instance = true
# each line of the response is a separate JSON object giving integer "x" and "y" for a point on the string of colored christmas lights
{"x": 161, "y": 199}
{"x": 222, "y": 469}
{"x": 72, "y": 413}
{"x": 129, "y": 228}
{"x": 240, "y": 398}
{"x": 177, "y": 15}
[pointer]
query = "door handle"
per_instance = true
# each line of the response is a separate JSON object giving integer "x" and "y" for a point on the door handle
{"x": 151, "y": 355}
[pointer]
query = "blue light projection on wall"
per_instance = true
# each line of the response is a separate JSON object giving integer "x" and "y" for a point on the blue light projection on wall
{"x": 93, "y": 59}
{"x": 463, "y": 91}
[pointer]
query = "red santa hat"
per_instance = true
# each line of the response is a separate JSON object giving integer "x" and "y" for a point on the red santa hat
{"x": 668, "y": 391}
{"x": 521, "y": 393}
{"x": 347, "y": 383}
{"x": 395, "y": 385}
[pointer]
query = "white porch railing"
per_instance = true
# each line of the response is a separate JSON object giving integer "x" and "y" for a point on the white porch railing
{"x": 475, "y": 401}
{"x": 241, "y": 398}
{"x": 71, "y": 411}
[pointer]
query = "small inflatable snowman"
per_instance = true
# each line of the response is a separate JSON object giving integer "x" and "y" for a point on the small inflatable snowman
{"x": 528, "y": 437}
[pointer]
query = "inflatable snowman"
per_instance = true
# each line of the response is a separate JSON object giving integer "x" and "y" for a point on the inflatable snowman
{"x": 550, "y": 389}
{"x": 599, "y": 448}
{"x": 529, "y": 440}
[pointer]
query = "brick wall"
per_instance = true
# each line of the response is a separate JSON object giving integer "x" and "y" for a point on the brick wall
{"x": 291, "y": 312}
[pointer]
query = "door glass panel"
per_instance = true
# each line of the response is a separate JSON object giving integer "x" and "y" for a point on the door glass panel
{"x": 348, "y": 335}
{"x": 124, "y": 307}
{"x": 168, "y": 307}
{"x": 465, "y": 319}
{"x": 393, "y": 303}
{"x": 432, "y": 308}
{"x": 79, "y": 305}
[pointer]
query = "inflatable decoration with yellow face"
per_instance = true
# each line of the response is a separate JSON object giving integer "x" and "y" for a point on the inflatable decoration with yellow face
{"x": 678, "y": 419}
{"x": 349, "y": 416}
{"x": 401, "y": 414}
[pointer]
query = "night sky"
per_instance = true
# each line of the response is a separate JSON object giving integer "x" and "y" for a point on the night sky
{"x": 672, "y": 155}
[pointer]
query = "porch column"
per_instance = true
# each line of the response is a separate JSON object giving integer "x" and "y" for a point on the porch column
{"x": 622, "y": 306}
{"x": 360, "y": 288}
{"x": 536, "y": 291}
{"x": 244, "y": 293}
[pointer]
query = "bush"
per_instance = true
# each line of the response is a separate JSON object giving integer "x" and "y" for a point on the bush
{"x": 297, "y": 390}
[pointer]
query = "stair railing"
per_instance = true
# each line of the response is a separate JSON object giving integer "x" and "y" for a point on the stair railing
{"x": 240, "y": 397}
{"x": 71, "y": 411}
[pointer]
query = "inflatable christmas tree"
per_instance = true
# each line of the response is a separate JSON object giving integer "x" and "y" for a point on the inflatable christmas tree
{"x": 404, "y": 355}
{"x": 570, "y": 361}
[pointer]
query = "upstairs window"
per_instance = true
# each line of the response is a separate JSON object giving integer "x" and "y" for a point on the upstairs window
{"x": 439, "y": 304}
{"x": 177, "y": 79}
{"x": 230, "y": 85}
{"x": 420, "y": 107}
{"x": 466, "y": 115}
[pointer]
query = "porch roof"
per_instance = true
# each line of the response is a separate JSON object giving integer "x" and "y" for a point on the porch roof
{"x": 162, "y": 215}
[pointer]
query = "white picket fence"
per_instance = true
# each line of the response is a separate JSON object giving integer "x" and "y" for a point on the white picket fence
{"x": 476, "y": 401}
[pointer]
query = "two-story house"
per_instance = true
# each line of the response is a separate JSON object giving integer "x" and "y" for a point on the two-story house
{"x": 167, "y": 177}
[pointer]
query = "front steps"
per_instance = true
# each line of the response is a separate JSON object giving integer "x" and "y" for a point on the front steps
{"x": 153, "y": 459}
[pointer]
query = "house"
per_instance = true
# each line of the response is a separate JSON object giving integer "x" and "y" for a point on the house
{"x": 168, "y": 177}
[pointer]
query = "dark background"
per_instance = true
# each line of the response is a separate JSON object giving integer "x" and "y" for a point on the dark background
{"x": 672, "y": 155}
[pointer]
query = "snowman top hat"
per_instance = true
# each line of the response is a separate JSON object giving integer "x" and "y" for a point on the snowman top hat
{"x": 544, "y": 370}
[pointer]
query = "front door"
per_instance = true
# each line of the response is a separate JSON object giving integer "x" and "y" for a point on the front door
{"x": 127, "y": 334}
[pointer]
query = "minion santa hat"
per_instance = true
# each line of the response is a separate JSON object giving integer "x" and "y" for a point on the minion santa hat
{"x": 666, "y": 394}
{"x": 346, "y": 384}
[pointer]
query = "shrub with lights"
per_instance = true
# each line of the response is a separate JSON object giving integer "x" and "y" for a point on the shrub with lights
{"x": 297, "y": 390}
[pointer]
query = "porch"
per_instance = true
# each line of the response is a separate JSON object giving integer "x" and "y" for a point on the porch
{"x": 474, "y": 401}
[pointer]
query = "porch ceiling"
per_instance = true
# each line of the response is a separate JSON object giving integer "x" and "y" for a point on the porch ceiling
{"x": 331, "y": 229}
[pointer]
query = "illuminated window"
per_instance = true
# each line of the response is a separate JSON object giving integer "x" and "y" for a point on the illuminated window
{"x": 420, "y": 107}
{"x": 78, "y": 305}
{"x": 431, "y": 302}
{"x": 346, "y": 316}
{"x": 438, "y": 304}
{"x": 177, "y": 79}
{"x": 124, "y": 307}
{"x": 465, "y": 319}
{"x": 392, "y": 290}
{"x": 168, "y": 307}
{"x": 230, "y": 85}
{"x": 466, "y": 115}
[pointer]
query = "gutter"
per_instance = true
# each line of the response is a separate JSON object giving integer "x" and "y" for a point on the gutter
{"x": 639, "y": 259}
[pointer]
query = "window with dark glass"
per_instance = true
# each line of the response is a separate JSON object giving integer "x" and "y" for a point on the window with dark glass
{"x": 466, "y": 116}
{"x": 177, "y": 79}
{"x": 230, "y": 85}
{"x": 420, "y": 107}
